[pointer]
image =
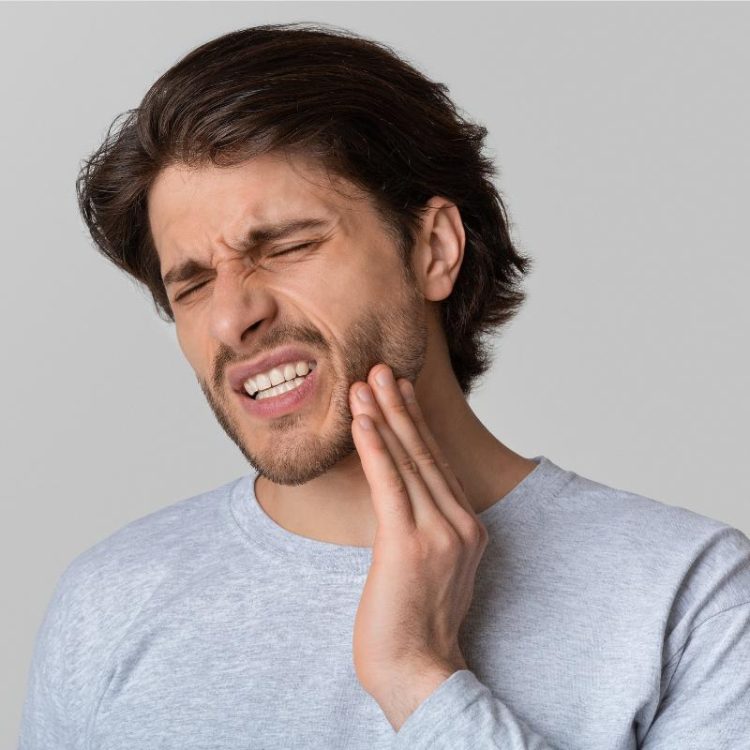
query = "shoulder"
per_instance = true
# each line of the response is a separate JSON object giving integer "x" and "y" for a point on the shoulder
{"x": 101, "y": 593}
{"x": 103, "y": 589}
{"x": 699, "y": 563}
{"x": 643, "y": 521}
{"x": 135, "y": 558}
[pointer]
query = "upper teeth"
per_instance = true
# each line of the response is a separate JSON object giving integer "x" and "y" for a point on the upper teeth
{"x": 287, "y": 371}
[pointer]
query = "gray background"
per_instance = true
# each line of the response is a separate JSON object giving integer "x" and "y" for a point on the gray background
{"x": 621, "y": 132}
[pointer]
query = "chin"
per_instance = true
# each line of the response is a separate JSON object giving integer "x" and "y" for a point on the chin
{"x": 305, "y": 457}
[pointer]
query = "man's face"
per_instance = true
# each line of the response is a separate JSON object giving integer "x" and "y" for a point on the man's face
{"x": 344, "y": 298}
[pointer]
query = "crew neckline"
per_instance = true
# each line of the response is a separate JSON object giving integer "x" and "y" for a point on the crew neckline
{"x": 264, "y": 534}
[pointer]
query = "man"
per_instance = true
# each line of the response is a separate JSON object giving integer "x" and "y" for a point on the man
{"x": 319, "y": 223}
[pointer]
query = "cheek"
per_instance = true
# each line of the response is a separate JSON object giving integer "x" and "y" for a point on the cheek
{"x": 337, "y": 308}
{"x": 357, "y": 289}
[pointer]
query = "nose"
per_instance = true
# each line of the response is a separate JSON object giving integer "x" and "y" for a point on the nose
{"x": 237, "y": 305}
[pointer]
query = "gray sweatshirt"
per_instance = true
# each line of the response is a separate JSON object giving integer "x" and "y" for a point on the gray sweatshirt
{"x": 601, "y": 619}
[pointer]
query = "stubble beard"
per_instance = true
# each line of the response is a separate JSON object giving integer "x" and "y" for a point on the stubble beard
{"x": 299, "y": 449}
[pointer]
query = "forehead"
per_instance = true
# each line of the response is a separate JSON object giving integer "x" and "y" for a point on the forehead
{"x": 189, "y": 209}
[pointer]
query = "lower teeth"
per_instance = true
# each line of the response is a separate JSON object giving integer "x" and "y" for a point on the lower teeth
{"x": 288, "y": 385}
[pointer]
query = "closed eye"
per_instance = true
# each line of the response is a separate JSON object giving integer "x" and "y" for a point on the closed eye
{"x": 203, "y": 283}
{"x": 189, "y": 291}
{"x": 292, "y": 249}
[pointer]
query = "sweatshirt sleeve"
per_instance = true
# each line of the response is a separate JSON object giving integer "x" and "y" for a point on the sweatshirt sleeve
{"x": 462, "y": 714}
{"x": 706, "y": 703}
{"x": 704, "y": 697}
{"x": 707, "y": 700}
{"x": 45, "y": 721}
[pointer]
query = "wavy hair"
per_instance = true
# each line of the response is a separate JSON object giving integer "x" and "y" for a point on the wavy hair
{"x": 351, "y": 103}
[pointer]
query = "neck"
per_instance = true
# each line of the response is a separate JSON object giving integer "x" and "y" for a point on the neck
{"x": 336, "y": 507}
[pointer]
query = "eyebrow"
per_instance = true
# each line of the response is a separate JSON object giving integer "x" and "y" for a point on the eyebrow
{"x": 254, "y": 238}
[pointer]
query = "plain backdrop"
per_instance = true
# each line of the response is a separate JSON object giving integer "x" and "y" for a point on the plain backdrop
{"x": 621, "y": 136}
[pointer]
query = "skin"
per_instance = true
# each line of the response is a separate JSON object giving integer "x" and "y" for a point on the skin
{"x": 412, "y": 486}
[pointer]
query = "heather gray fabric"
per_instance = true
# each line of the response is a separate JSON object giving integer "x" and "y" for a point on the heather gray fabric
{"x": 600, "y": 619}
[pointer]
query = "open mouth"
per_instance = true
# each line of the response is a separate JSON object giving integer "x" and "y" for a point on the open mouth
{"x": 286, "y": 387}
{"x": 296, "y": 393}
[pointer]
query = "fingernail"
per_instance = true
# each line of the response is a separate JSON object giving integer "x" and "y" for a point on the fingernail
{"x": 384, "y": 378}
{"x": 364, "y": 395}
{"x": 407, "y": 390}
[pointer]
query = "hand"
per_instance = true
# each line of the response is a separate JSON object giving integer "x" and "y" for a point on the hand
{"x": 426, "y": 551}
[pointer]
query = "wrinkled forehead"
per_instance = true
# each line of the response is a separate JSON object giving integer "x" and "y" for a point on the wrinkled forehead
{"x": 200, "y": 205}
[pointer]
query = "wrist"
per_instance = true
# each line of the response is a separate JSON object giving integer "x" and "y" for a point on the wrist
{"x": 403, "y": 690}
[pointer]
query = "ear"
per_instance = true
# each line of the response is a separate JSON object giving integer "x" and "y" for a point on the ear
{"x": 439, "y": 248}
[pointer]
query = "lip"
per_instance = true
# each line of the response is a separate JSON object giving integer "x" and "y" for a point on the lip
{"x": 238, "y": 374}
{"x": 274, "y": 406}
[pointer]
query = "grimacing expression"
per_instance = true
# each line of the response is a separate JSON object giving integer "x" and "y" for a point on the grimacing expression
{"x": 345, "y": 297}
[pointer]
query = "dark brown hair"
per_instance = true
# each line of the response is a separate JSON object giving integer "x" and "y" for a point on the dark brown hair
{"x": 354, "y": 105}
